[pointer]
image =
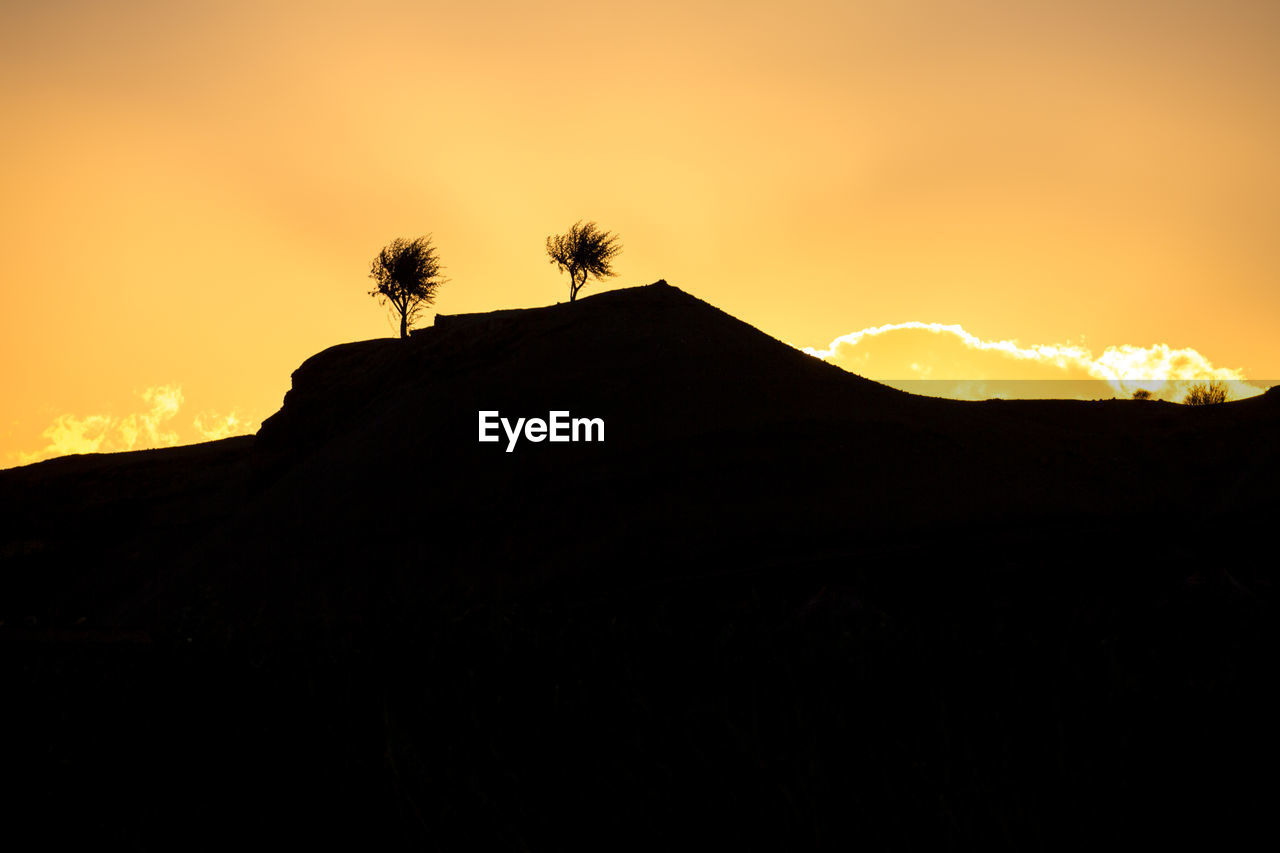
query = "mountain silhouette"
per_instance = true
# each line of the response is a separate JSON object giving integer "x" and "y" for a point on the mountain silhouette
{"x": 775, "y": 595}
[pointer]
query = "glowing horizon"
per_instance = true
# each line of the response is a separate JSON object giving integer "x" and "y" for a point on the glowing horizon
{"x": 1011, "y": 371}
{"x": 193, "y": 192}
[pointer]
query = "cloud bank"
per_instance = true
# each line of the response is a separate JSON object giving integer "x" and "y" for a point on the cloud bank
{"x": 947, "y": 361}
{"x": 155, "y": 426}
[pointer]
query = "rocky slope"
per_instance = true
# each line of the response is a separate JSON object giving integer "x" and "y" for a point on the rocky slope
{"x": 779, "y": 601}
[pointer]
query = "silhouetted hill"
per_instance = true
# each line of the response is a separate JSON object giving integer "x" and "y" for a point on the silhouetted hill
{"x": 784, "y": 602}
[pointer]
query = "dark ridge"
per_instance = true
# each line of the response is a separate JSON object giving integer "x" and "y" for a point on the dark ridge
{"x": 780, "y": 606}
{"x": 600, "y": 348}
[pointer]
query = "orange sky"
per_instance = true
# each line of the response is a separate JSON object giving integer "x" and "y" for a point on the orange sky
{"x": 192, "y": 192}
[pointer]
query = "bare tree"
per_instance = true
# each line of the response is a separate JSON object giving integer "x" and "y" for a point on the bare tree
{"x": 408, "y": 274}
{"x": 584, "y": 251}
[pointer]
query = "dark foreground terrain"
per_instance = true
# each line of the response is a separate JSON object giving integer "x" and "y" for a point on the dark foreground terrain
{"x": 779, "y": 607}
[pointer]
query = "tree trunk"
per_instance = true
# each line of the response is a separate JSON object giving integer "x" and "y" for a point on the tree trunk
{"x": 404, "y": 324}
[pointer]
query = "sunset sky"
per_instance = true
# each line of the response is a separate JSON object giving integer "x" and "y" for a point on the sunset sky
{"x": 192, "y": 192}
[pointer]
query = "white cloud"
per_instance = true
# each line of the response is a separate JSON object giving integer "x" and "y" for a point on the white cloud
{"x": 947, "y": 361}
{"x": 152, "y": 427}
{"x": 211, "y": 426}
{"x": 107, "y": 433}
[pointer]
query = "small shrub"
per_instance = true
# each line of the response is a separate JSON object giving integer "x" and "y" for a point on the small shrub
{"x": 1143, "y": 394}
{"x": 1206, "y": 394}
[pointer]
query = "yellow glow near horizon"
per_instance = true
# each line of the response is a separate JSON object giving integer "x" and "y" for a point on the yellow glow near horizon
{"x": 193, "y": 192}
{"x": 947, "y": 361}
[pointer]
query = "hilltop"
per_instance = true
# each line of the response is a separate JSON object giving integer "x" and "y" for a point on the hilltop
{"x": 770, "y": 571}
{"x": 722, "y": 444}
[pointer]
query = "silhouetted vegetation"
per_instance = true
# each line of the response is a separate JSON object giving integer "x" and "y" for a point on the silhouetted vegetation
{"x": 1206, "y": 394}
{"x": 585, "y": 251}
{"x": 1143, "y": 394}
{"x": 408, "y": 274}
